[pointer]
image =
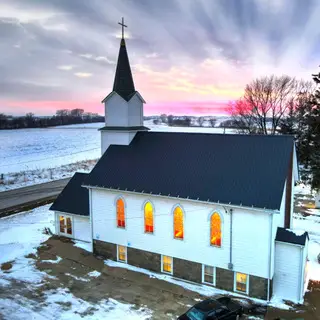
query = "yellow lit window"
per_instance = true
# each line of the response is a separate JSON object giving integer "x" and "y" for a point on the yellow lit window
{"x": 122, "y": 253}
{"x": 178, "y": 223}
{"x": 167, "y": 264}
{"x": 121, "y": 223}
{"x": 215, "y": 230}
{"x": 148, "y": 218}
{"x": 62, "y": 225}
{"x": 241, "y": 282}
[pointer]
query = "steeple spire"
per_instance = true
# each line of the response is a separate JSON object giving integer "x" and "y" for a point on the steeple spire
{"x": 123, "y": 81}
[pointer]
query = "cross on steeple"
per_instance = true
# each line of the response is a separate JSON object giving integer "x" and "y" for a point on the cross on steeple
{"x": 123, "y": 26}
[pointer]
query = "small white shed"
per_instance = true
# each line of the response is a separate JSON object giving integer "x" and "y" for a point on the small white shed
{"x": 290, "y": 271}
{"x": 71, "y": 210}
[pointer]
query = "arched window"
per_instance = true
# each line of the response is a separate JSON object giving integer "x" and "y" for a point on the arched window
{"x": 148, "y": 218}
{"x": 121, "y": 222}
{"x": 178, "y": 223}
{"x": 215, "y": 230}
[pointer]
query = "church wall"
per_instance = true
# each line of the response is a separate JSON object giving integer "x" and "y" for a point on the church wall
{"x": 135, "y": 107}
{"x": 115, "y": 137}
{"x": 116, "y": 111}
{"x": 250, "y": 231}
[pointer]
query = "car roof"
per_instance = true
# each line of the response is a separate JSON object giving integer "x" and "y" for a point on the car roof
{"x": 208, "y": 305}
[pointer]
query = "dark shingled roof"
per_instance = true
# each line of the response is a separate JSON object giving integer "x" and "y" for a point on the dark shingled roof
{"x": 113, "y": 128}
{"x": 248, "y": 170}
{"x": 123, "y": 81}
{"x": 73, "y": 198}
{"x": 285, "y": 235}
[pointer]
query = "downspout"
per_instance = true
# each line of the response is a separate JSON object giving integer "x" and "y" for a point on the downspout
{"x": 271, "y": 243}
{"x": 230, "y": 265}
{"x": 91, "y": 217}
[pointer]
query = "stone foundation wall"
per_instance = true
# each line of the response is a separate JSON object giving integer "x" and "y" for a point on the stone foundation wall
{"x": 224, "y": 279}
{"x": 144, "y": 259}
{"x": 183, "y": 269}
{"x": 258, "y": 287}
{"x": 188, "y": 270}
{"x": 105, "y": 249}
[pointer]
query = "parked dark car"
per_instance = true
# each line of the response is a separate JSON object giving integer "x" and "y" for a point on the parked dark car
{"x": 214, "y": 309}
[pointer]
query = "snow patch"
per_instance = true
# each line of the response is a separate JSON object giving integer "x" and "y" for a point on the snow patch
{"x": 83, "y": 245}
{"x": 77, "y": 278}
{"x": 53, "y": 261}
{"x": 94, "y": 274}
{"x": 297, "y": 232}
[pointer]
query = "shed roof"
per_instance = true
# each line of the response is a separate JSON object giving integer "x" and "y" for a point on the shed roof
{"x": 289, "y": 236}
{"x": 74, "y": 198}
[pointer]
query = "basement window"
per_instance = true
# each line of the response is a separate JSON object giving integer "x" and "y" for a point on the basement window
{"x": 122, "y": 254}
{"x": 241, "y": 282}
{"x": 167, "y": 264}
{"x": 208, "y": 273}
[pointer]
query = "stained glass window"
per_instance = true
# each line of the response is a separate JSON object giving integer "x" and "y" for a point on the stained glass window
{"x": 148, "y": 218}
{"x": 121, "y": 223}
{"x": 241, "y": 282}
{"x": 215, "y": 230}
{"x": 178, "y": 223}
{"x": 167, "y": 264}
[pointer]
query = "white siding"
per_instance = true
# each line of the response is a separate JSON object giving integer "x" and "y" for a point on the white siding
{"x": 287, "y": 276}
{"x": 116, "y": 111}
{"x": 135, "y": 106}
{"x": 250, "y": 231}
{"x": 80, "y": 226}
{"x": 115, "y": 137}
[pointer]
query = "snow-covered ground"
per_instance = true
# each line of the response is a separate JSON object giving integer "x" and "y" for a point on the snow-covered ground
{"x": 20, "y": 235}
{"x": 32, "y": 149}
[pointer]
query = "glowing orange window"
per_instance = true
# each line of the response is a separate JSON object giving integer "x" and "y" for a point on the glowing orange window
{"x": 215, "y": 230}
{"x": 148, "y": 218}
{"x": 178, "y": 223}
{"x": 121, "y": 223}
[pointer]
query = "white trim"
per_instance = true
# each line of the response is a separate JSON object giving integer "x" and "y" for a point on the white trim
{"x": 117, "y": 198}
{"x": 221, "y": 226}
{"x": 143, "y": 217}
{"x": 118, "y": 253}
{"x": 91, "y": 219}
{"x": 214, "y": 275}
{"x": 72, "y": 225}
{"x": 183, "y": 222}
{"x": 291, "y": 244}
{"x": 163, "y": 255}
{"x": 235, "y": 283}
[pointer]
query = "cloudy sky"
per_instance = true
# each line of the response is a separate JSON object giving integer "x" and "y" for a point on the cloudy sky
{"x": 187, "y": 56}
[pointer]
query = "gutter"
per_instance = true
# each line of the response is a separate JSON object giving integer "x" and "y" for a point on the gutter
{"x": 271, "y": 243}
{"x": 301, "y": 275}
{"x": 230, "y": 265}
{"x": 270, "y": 211}
{"x": 91, "y": 218}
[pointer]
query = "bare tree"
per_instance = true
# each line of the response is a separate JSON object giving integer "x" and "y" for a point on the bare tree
{"x": 265, "y": 102}
{"x": 201, "y": 121}
{"x": 213, "y": 122}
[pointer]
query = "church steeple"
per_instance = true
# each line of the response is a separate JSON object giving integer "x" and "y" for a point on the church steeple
{"x": 123, "y": 81}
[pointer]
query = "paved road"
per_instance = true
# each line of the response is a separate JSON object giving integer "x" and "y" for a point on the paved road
{"x": 20, "y": 199}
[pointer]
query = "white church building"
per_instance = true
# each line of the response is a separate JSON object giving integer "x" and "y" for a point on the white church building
{"x": 214, "y": 209}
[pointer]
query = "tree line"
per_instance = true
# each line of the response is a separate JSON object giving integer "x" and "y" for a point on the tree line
{"x": 62, "y": 117}
{"x": 284, "y": 105}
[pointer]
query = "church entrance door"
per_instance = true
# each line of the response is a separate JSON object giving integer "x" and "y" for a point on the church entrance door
{"x": 65, "y": 225}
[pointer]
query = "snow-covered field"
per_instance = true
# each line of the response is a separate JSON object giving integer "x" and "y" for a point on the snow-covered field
{"x": 30, "y": 149}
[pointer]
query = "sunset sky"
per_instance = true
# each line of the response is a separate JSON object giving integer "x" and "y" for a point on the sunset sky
{"x": 187, "y": 56}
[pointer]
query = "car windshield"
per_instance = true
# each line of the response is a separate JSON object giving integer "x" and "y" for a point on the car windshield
{"x": 195, "y": 314}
